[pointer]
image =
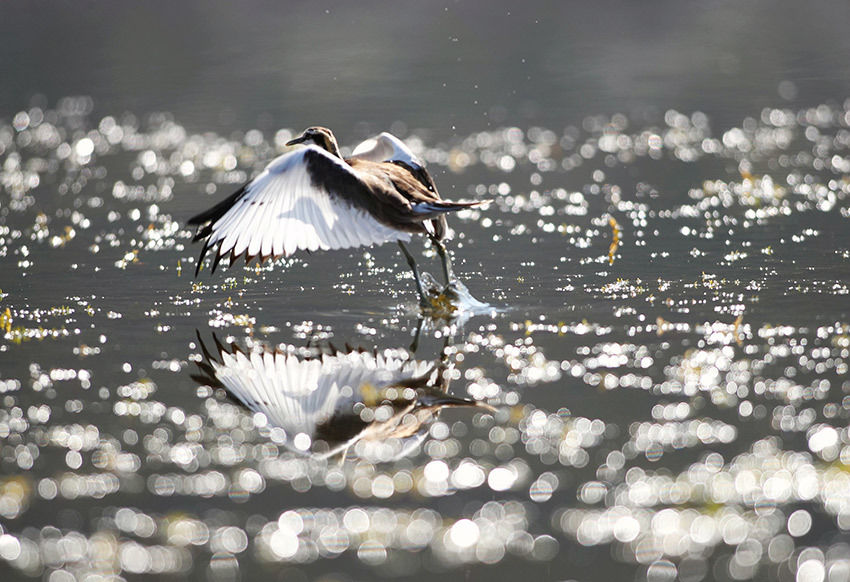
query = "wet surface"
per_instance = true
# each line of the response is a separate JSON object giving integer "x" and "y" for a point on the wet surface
{"x": 642, "y": 374}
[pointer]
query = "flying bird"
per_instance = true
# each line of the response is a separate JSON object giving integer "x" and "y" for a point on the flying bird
{"x": 312, "y": 198}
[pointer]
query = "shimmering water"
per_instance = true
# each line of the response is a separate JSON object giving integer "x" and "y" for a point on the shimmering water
{"x": 663, "y": 353}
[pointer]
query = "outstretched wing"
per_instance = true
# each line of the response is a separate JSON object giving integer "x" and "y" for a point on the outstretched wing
{"x": 386, "y": 148}
{"x": 304, "y": 200}
{"x": 299, "y": 394}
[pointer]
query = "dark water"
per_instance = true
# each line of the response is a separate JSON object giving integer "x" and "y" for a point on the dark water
{"x": 666, "y": 263}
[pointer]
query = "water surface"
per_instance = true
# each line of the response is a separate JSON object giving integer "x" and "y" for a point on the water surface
{"x": 665, "y": 260}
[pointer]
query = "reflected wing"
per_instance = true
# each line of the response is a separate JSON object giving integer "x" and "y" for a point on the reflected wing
{"x": 294, "y": 394}
{"x": 285, "y": 209}
{"x": 298, "y": 394}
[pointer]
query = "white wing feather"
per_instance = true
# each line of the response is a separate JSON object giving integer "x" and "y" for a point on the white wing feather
{"x": 298, "y": 394}
{"x": 386, "y": 148}
{"x": 283, "y": 211}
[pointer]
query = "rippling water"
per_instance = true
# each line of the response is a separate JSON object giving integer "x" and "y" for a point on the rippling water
{"x": 666, "y": 362}
{"x": 644, "y": 374}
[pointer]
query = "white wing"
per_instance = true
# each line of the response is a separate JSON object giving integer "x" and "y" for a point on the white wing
{"x": 282, "y": 210}
{"x": 298, "y": 394}
{"x": 386, "y": 148}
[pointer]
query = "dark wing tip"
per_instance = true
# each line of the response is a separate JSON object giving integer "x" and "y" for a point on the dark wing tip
{"x": 216, "y": 260}
{"x": 217, "y": 211}
{"x": 207, "y": 219}
{"x": 201, "y": 258}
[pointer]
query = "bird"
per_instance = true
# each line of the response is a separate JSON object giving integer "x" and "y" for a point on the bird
{"x": 312, "y": 198}
{"x": 328, "y": 400}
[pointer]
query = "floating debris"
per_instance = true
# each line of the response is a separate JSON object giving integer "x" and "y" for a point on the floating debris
{"x": 616, "y": 231}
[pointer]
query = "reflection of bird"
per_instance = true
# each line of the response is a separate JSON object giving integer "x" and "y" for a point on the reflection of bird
{"x": 312, "y": 199}
{"x": 327, "y": 401}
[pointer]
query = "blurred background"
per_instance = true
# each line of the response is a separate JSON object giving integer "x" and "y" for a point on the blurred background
{"x": 450, "y": 67}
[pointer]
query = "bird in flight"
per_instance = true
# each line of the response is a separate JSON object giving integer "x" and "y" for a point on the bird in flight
{"x": 312, "y": 198}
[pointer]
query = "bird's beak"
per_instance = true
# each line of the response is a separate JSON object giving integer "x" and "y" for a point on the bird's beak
{"x": 297, "y": 140}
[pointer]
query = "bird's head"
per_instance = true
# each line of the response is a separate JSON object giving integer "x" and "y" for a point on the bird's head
{"x": 318, "y": 136}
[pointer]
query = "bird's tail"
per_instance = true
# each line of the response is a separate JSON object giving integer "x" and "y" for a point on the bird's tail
{"x": 435, "y": 207}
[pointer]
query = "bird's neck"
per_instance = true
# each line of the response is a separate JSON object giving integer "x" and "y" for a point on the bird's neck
{"x": 333, "y": 148}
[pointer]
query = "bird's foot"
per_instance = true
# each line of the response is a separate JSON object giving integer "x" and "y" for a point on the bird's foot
{"x": 438, "y": 301}
{"x": 442, "y": 306}
{"x": 453, "y": 290}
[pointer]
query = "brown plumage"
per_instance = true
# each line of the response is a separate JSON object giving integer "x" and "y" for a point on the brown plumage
{"x": 387, "y": 190}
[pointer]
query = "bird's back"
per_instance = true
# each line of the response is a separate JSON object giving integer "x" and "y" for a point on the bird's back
{"x": 397, "y": 187}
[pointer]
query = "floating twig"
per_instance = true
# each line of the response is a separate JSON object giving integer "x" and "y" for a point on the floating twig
{"x": 736, "y": 330}
{"x": 615, "y": 243}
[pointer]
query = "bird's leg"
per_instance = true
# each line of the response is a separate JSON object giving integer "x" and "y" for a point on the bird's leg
{"x": 423, "y": 301}
{"x": 444, "y": 257}
{"x": 415, "y": 345}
